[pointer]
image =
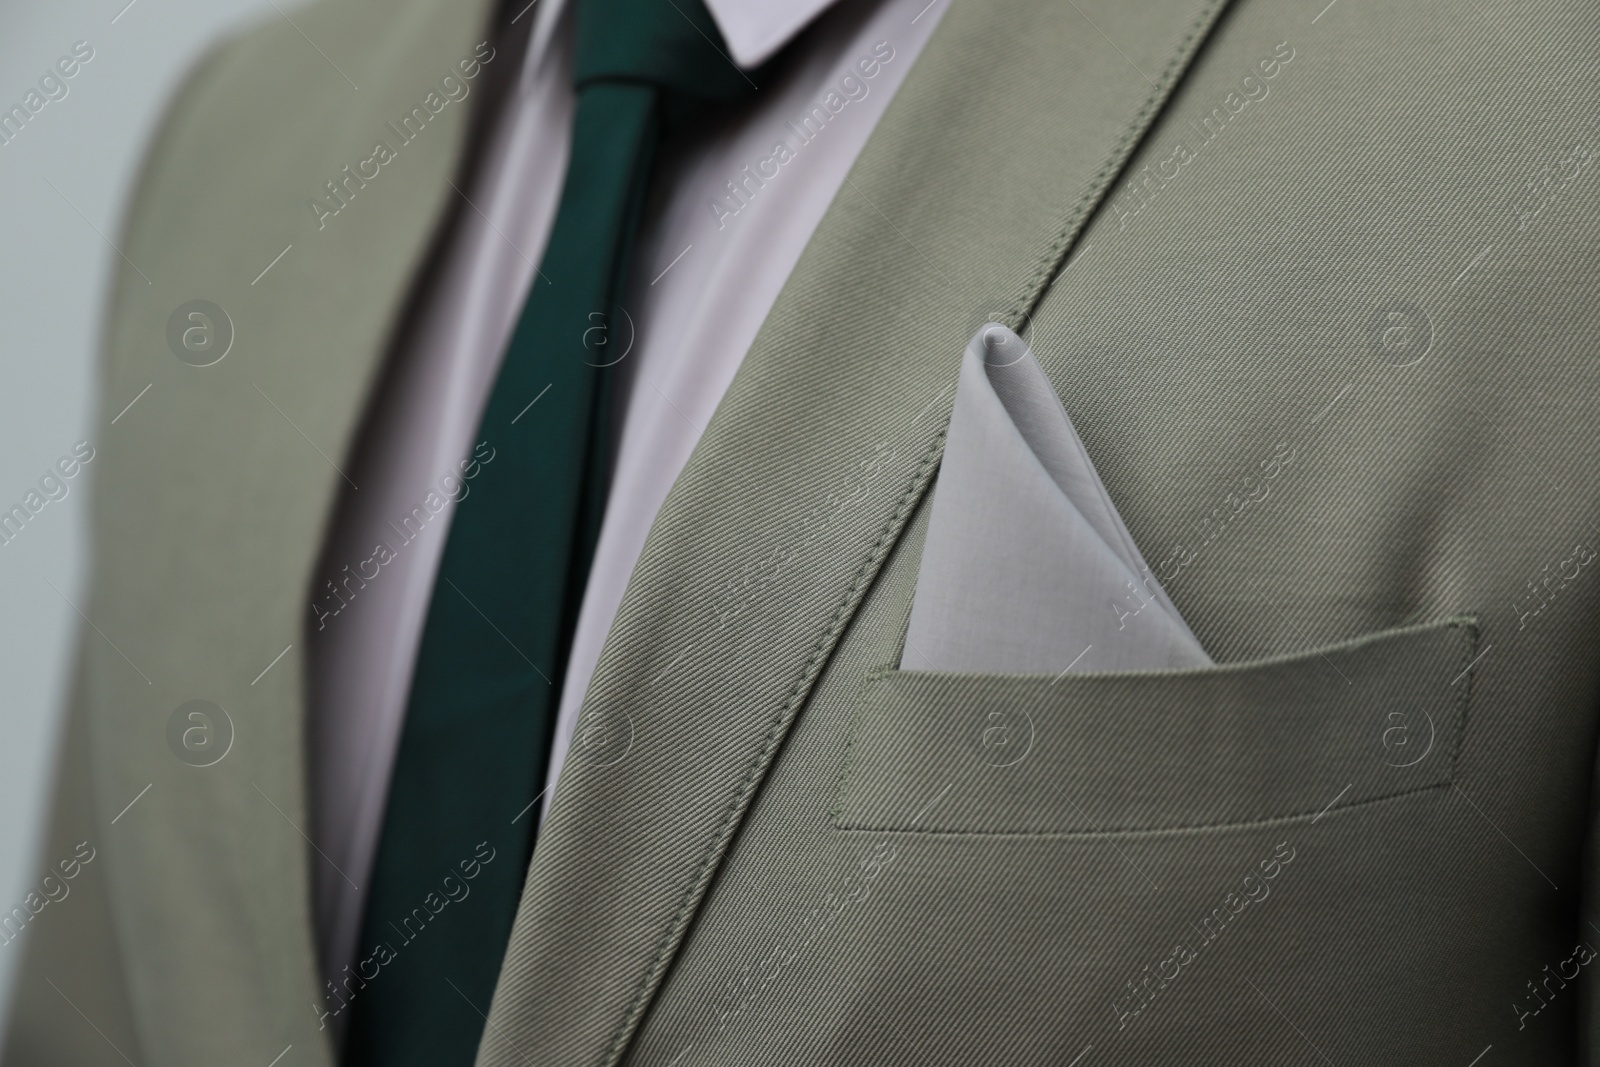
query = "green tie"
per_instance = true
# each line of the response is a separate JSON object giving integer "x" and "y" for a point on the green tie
{"x": 457, "y": 833}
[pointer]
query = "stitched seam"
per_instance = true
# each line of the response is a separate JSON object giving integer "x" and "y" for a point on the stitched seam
{"x": 1464, "y": 704}
{"x": 775, "y": 733}
{"x": 1122, "y": 150}
{"x": 852, "y": 748}
{"x": 853, "y": 761}
{"x": 1198, "y": 828}
{"x": 801, "y": 685}
{"x": 1285, "y": 659}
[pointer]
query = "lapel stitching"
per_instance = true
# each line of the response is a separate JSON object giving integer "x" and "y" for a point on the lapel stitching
{"x": 1122, "y": 150}
{"x": 1029, "y": 295}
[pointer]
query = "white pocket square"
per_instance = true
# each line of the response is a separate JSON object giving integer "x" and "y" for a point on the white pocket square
{"x": 1027, "y": 567}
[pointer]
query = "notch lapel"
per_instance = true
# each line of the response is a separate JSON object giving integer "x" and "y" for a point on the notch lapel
{"x": 999, "y": 145}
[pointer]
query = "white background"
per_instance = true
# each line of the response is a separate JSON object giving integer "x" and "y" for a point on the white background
{"x": 55, "y": 270}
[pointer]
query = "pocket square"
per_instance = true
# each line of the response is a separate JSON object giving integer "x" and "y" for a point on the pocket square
{"x": 1027, "y": 567}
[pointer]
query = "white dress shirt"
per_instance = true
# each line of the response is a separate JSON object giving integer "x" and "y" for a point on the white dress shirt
{"x": 737, "y": 212}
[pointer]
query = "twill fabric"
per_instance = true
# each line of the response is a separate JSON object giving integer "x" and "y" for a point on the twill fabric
{"x": 806, "y": 857}
{"x": 477, "y": 731}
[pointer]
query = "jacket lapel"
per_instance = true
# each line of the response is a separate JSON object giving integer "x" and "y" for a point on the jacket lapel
{"x": 1001, "y": 142}
{"x": 215, "y": 487}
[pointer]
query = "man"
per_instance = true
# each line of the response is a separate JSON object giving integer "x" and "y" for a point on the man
{"x": 1313, "y": 285}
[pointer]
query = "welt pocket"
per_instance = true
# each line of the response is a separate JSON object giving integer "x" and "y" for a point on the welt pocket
{"x": 1282, "y": 738}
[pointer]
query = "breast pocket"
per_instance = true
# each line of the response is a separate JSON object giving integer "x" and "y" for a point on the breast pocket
{"x": 1285, "y": 738}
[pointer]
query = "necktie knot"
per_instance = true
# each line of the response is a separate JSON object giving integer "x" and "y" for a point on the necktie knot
{"x": 672, "y": 44}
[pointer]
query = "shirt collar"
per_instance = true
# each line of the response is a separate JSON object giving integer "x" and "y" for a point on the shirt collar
{"x": 755, "y": 29}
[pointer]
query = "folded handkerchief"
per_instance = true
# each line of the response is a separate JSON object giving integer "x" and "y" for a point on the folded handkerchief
{"x": 1027, "y": 567}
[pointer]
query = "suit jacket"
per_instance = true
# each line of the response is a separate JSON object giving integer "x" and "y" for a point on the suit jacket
{"x": 1315, "y": 284}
